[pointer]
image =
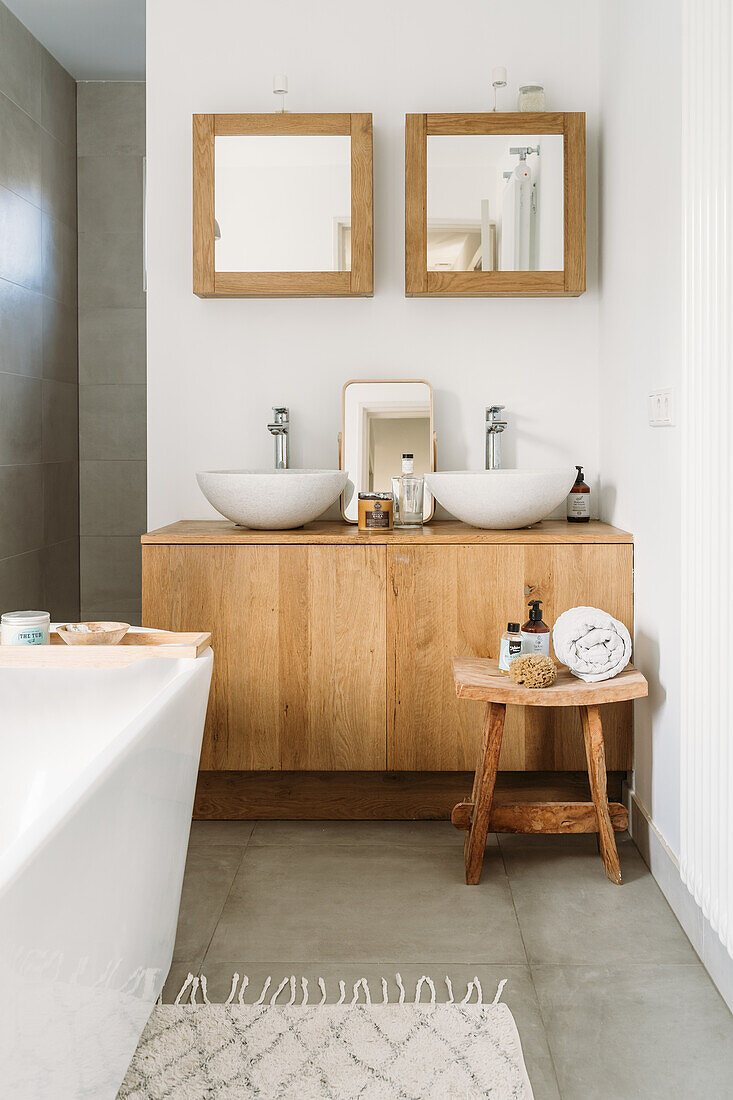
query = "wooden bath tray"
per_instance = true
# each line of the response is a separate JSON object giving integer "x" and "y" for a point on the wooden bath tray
{"x": 133, "y": 647}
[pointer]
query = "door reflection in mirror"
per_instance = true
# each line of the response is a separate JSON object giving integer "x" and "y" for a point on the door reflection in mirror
{"x": 495, "y": 202}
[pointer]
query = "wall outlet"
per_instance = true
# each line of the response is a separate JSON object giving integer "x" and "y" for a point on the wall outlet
{"x": 661, "y": 408}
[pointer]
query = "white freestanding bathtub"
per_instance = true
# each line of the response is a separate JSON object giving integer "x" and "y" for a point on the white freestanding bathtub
{"x": 98, "y": 776}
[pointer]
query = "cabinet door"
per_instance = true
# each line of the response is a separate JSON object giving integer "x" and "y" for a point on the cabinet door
{"x": 298, "y": 634}
{"x": 456, "y": 600}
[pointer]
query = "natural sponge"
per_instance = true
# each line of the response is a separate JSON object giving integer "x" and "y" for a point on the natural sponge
{"x": 533, "y": 670}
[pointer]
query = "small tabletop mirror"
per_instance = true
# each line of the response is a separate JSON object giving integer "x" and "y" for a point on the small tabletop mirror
{"x": 282, "y": 205}
{"x": 495, "y": 204}
{"x": 382, "y": 420}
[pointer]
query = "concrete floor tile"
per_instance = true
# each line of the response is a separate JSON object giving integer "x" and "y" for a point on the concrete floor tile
{"x": 220, "y": 832}
{"x": 430, "y": 833}
{"x": 657, "y": 1032}
{"x": 210, "y": 872}
{"x": 569, "y": 912}
{"x": 329, "y": 903}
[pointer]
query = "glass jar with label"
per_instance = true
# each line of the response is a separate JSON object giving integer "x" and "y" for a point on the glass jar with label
{"x": 25, "y": 628}
{"x": 375, "y": 512}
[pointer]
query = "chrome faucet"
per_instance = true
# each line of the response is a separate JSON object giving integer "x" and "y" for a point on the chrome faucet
{"x": 280, "y": 429}
{"x": 494, "y": 427}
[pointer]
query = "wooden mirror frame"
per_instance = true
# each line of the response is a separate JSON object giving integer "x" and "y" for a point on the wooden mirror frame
{"x": 419, "y": 282}
{"x": 210, "y": 283}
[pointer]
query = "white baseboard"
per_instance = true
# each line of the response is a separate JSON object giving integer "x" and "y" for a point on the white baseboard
{"x": 663, "y": 865}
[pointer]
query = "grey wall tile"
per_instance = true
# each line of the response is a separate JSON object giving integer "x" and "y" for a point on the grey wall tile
{"x": 59, "y": 261}
{"x": 110, "y": 576}
{"x": 58, "y": 175}
{"x": 20, "y": 64}
{"x": 111, "y": 269}
{"x": 110, "y": 145}
{"x": 21, "y": 583}
{"x": 60, "y": 571}
{"x": 20, "y": 142}
{"x": 111, "y": 344}
{"x": 60, "y": 422}
{"x": 110, "y": 118}
{"x": 21, "y": 330}
{"x": 110, "y": 193}
{"x": 112, "y": 422}
{"x": 39, "y": 533}
{"x": 20, "y": 241}
{"x": 60, "y": 501}
{"x": 113, "y": 497}
{"x": 21, "y": 493}
{"x": 58, "y": 100}
{"x": 20, "y": 419}
{"x": 129, "y": 611}
{"x": 60, "y": 360}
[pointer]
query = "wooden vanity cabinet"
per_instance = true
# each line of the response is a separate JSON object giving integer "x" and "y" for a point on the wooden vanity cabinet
{"x": 298, "y": 633}
{"x": 457, "y": 600}
{"x": 332, "y": 649}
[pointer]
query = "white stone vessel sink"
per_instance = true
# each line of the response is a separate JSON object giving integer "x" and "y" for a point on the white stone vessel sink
{"x": 272, "y": 500}
{"x": 501, "y": 499}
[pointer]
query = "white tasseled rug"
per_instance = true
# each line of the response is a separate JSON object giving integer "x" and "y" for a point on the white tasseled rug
{"x": 311, "y": 1050}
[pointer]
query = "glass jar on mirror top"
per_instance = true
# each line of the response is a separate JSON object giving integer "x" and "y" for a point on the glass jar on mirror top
{"x": 531, "y": 97}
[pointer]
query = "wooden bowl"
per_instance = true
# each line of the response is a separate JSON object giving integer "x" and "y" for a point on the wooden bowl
{"x": 97, "y": 634}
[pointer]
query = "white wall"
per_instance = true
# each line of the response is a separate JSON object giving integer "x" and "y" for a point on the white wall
{"x": 216, "y": 367}
{"x": 641, "y": 299}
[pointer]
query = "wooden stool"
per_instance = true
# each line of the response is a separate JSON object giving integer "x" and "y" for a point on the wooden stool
{"x": 479, "y": 678}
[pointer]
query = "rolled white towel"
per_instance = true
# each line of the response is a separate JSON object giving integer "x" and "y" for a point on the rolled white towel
{"x": 593, "y": 644}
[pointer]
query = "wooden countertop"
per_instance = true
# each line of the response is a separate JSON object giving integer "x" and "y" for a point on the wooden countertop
{"x": 219, "y": 532}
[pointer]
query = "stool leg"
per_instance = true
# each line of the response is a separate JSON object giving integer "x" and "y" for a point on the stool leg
{"x": 483, "y": 791}
{"x": 596, "y": 756}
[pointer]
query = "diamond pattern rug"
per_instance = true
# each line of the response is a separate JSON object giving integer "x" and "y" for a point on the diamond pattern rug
{"x": 324, "y": 1051}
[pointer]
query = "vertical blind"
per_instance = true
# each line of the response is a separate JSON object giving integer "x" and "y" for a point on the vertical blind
{"x": 706, "y": 417}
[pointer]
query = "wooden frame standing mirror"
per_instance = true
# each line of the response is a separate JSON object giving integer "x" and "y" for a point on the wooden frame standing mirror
{"x": 383, "y": 419}
{"x": 495, "y": 204}
{"x": 282, "y": 205}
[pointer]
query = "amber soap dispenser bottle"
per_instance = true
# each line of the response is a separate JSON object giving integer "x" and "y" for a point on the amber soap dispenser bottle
{"x": 536, "y": 632}
{"x": 579, "y": 500}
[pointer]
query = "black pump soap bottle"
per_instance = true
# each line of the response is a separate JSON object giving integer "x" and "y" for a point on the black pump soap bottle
{"x": 536, "y": 632}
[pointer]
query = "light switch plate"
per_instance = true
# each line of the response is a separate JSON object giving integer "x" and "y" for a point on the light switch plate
{"x": 661, "y": 408}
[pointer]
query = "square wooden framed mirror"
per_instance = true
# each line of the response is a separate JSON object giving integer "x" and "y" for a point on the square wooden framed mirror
{"x": 282, "y": 205}
{"x": 495, "y": 204}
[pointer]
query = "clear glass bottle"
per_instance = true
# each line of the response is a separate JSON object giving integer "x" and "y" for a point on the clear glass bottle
{"x": 410, "y": 496}
{"x": 510, "y": 646}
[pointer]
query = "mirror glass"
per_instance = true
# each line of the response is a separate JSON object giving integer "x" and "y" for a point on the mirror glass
{"x": 282, "y": 202}
{"x": 495, "y": 202}
{"x": 383, "y": 420}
